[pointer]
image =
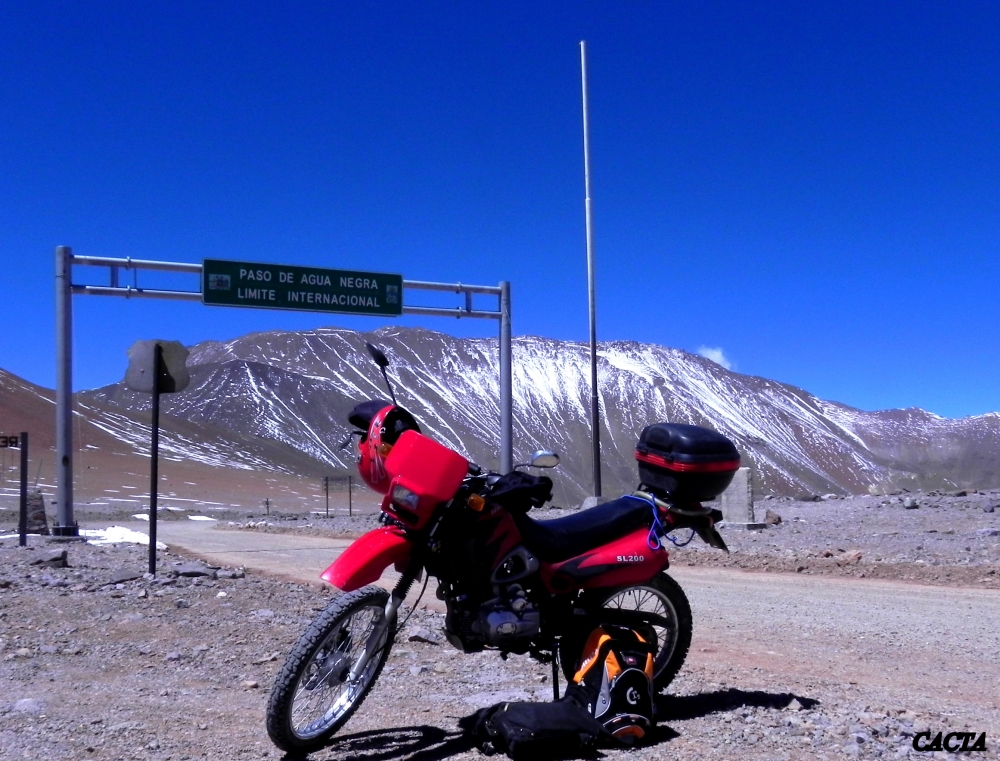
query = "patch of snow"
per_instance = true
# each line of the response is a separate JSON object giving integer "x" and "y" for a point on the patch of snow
{"x": 117, "y": 535}
{"x": 188, "y": 499}
{"x": 200, "y": 518}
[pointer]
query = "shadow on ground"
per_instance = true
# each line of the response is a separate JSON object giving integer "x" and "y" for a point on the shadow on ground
{"x": 682, "y": 707}
{"x": 427, "y": 743}
{"x": 423, "y": 743}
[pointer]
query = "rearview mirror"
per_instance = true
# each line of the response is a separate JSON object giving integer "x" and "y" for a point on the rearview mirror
{"x": 377, "y": 355}
{"x": 544, "y": 458}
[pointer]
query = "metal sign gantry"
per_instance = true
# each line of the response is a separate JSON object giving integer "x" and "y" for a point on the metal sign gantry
{"x": 65, "y": 289}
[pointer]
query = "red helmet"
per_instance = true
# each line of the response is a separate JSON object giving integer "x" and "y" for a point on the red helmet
{"x": 384, "y": 429}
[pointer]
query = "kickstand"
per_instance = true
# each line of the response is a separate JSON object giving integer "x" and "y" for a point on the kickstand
{"x": 555, "y": 669}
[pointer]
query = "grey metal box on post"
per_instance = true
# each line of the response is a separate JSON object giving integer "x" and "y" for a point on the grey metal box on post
{"x": 737, "y": 503}
{"x": 173, "y": 372}
{"x": 157, "y": 367}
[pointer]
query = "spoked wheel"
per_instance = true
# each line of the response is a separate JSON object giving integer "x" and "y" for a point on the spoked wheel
{"x": 669, "y": 623}
{"x": 313, "y": 696}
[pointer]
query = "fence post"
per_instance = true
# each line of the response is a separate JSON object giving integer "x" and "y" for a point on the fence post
{"x": 23, "y": 523}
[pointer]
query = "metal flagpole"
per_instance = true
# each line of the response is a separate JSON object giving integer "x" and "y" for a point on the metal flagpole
{"x": 506, "y": 384}
{"x": 595, "y": 412}
{"x": 154, "y": 456}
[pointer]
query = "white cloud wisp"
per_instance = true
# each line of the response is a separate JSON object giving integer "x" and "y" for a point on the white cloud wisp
{"x": 716, "y": 354}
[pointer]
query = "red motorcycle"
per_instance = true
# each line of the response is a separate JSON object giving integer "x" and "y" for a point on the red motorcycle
{"x": 509, "y": 583}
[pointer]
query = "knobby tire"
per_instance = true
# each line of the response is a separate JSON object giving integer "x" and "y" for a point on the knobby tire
{"x": 327, "y": 643}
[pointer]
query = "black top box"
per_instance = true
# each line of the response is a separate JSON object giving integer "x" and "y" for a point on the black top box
{"x": 685, "y": 463}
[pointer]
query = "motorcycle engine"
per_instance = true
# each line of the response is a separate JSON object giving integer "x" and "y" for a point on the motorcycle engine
{"x": 486, "y": 607}
{"x": 508, "y": 622}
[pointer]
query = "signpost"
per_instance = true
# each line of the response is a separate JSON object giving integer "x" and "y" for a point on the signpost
{"x": 14, "y": 442}
{"x": 283, "y": 286}
{"x": 157, "y": 367}
{"x": 23, "y": 523}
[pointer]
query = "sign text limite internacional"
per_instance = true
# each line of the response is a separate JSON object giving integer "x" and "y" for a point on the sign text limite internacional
{"x": 283, "y": 286}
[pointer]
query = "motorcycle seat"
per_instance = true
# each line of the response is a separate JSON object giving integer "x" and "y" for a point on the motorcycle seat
{"x": 563, "y": 538}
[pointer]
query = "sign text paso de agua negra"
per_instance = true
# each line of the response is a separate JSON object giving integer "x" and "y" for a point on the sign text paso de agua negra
{"x": 283, "y": 286}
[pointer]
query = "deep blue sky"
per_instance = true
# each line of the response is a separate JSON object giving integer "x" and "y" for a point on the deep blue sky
{"x": 814, "y": 189}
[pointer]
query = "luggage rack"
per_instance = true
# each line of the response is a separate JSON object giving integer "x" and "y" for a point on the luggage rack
{"x": 691, "y": 511}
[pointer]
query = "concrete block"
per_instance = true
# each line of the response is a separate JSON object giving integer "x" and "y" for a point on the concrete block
{"x": 748, "y": 526}
{"x": 590, "y": 502}
{"x": 737, "y": 503}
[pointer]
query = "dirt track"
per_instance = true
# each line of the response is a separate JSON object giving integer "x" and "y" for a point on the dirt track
{"x": 883, "y": 634}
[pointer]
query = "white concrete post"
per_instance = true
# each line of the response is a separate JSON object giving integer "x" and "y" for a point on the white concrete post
{"x": 737, "y": 503}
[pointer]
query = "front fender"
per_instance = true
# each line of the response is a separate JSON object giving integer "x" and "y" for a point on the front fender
{"x": 363, "y": 562}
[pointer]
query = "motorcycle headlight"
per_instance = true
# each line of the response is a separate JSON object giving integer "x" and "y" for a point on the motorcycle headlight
{"x": 405, "y": 498}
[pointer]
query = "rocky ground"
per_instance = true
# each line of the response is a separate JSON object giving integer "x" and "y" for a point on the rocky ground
{"x": 931, "y": 538}
{"x": 95, "y": 664}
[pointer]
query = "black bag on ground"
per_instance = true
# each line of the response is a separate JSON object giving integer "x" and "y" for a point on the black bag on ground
{"x": 526, "y": 731}
{"x": 614, "y": 682}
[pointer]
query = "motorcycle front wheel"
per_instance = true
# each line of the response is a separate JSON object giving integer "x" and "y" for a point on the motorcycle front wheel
{"x": 662, "y": 597}
{"x": 313, "y": 697}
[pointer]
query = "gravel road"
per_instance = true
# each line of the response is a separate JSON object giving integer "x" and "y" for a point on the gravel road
{"x": 807, "y": 664}
{"x": 791, "y": 624}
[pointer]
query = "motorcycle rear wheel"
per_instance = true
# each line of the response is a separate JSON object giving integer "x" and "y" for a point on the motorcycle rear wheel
{"x": 312, "y": 698}
{"x": 661, "y": 596}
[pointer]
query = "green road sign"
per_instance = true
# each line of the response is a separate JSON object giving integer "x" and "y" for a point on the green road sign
{"x": 282, "y": 286}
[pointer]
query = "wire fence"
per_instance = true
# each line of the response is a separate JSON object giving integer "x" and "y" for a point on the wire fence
{"x": 339, "y": 484}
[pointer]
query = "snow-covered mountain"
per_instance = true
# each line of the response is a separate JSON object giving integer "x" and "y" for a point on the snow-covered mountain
{"x": 296, "y": 388}
{"x": 101, "y": 428}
